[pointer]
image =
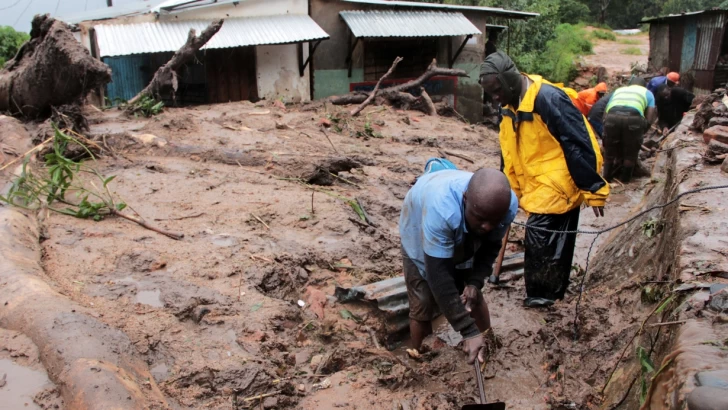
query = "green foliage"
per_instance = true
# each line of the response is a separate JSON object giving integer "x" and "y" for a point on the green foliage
{"x": 147, "y": 106}
{"x": 10, "y": 42}
{"x": 652, "y": 227}
{"x": 681, "y": 6}
{"x": 48, "y": 185}
{"x": 558, "y": 62}
{"x": 628, "y": 41}
{"x": 604, "y": 35}
{"x": 632, "y": 51}
{"x": 646, "y": 367}
{"x": 573, "y": 11}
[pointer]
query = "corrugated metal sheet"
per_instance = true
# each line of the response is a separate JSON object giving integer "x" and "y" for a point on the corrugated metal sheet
{"x": 412, "y": 4}
{"x": 688, "y": 48}
{"x": 126, "y": 39}
{"x": 390, "y": 297}
{"x": 130, "y": 9}
{"x": 703, "y": 82}
{"x": 368, "y": 24}
{"x": 659, "y": 45}
{"x": 677, "y": 30}
{"x": 710, "y": 37}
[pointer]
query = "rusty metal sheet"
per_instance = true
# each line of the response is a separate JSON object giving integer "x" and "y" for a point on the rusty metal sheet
{"x": 390, "y": 298}
{"x": 659, "y": 45}
{"x": 710, "y": 36}
{"x": 677, "y": 31}
{"x": 703, "y": 82}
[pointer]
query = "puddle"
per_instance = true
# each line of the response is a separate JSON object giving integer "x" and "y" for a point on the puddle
{"x": 150, "y": 297}
{"x": 22, "y": 384}
{"x": 159, "y": 372}
{"x": 224, "y": 241}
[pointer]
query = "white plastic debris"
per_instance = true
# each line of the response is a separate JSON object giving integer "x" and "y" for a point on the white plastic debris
{"x": 301, "y": 303}
{"x": 325, "y": 384}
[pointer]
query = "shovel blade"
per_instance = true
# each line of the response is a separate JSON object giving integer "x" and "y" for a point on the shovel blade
{"x": 499, "y": 405}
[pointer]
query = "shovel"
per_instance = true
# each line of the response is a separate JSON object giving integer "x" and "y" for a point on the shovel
{"x": 499, "y": 405}
{"x": 495, "y": 277}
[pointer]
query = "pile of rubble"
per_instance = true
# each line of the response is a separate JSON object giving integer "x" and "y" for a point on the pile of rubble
{"x": 712, "y": 120}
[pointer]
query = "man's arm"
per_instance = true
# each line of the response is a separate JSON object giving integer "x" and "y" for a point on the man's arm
{"x": 483, "y": 261}
{"x": 441, "y": 278}
{"x": 567, "y": 125}
{"x": 651, "y": 111}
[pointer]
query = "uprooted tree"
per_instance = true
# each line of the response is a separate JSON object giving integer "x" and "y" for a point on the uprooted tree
{"x": 49, "y": 70}
{"x": 397, "y": 95}
{"x": 166, "y": 75}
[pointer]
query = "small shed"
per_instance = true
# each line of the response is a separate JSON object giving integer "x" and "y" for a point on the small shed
{"x": 367, "y": 35}
{"x": 695, "y": 45}
{"x": 261, "y": 52}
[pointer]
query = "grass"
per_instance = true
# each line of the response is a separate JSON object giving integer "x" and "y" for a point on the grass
{"x": 603, "y": 35}
{"x": 633, "y": 51}
{"x": 629, "y": 41}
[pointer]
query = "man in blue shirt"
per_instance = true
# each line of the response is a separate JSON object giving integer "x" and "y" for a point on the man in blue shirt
{"x": 451, "y": 227}
{"x": 671, "y": 79}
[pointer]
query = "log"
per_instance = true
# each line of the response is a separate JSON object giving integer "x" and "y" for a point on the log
{"x": 166, "y": 76}
{"x": 373, "y": 94}
{"x": 428, "y": 105}
{"x": 51, "y": 69}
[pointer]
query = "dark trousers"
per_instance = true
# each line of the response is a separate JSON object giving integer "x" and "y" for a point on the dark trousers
{"x": 624, "y": 131}
{"x": 548, "y": 255}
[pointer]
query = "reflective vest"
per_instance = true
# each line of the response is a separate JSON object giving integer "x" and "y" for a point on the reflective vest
{"x": 633, "y": 96}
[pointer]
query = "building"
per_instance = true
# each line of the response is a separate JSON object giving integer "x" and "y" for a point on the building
{"x": 693, "y": 44}
{"x": 261, "y": 51}
{"x": 367, "y": 35}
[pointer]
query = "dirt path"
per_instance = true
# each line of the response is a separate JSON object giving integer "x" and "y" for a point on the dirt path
{"x": 216, "y": 316}
{"x": 612, "y": 54}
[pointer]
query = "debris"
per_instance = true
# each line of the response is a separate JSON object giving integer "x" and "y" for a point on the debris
{"x": 413, "y": 353}
{"x": 316, "y": 301}
{"x": 719, "y": 300}
{"x": 324, "y": 122}
{"x": 166, "y": 75}
{"x": 718, "y": 133}
{"x": 316, "y": 361}
{"x": 261, "y": 396}
{"x": 724, "y": 166}
{"x": 373, "y": 94}
{"x": 279, "y": 104}
{"x": 323, "y": 130}
{"x": 346, "y": 314}
{"x": 261, "y": 221}
{"x": 301, "y": 387}
{"x": 50, "y": 69}
{"x": 444, "y": 153}
{"x": 281, "y": 126}
{"x": 325, "y": 384}
{"x": 301, "y": 303}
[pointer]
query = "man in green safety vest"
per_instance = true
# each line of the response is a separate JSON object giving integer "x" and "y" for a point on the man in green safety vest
{"x": 629, "y": 113}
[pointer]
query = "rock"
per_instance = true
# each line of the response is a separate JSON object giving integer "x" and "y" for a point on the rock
{"x": 719, "y": 300}
{"x": 303, "y": 357}
{"x": 149, "y": 139}
{"x": 707, "y": 398}
{"x": 724, "y": 166}
{"x": 716, "y": 287}
{"x": 718, "y": 133}
{"x": 716, "y": 378}
{"x": 718, "y": 121}
{"x": 717, "y": 147}
{"x": 199, "y": 312}
{"x": 316, "y": 301}
{"x": 301, "y": 387}
{"x": 270, "y": 403}
{"x": 699, "y": 299}
{"x": 316, "y": 361}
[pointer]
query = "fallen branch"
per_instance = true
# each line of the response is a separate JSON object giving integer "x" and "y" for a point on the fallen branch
{"x": 261, "y": 221}
{"x": 32, "y": 150}
{"x": 327, "y": 137}
{"x": 429, "y": 105}
{"x": 344, "y": 180}
{"x": 676, "y": 322}
{"x": 166, "y": 75}
{"x": 180, "y": 218}
{"x": 445, "y": 152}
{"x": 373, "y": 94}
{"x": 141, "y": 222}
{"x": 261, "y": 396}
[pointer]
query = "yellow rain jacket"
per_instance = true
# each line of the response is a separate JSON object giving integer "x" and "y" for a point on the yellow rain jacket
{"x": 550, "y": 154}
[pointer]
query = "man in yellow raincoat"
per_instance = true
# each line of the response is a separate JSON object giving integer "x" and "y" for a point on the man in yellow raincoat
{"x": 552, "y": 160}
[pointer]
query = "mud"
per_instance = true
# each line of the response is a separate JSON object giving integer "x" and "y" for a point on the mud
{"x": 216, "y": 317}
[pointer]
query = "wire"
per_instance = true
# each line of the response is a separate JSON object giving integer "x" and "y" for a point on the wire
{"x": 55, "y": 12}
{"x": 11, "y": 6}
{"x": 608, "y": 229}
{"x": 22, "y": 12}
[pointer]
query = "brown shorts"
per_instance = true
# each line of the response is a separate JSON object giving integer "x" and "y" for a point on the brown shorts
{"x": 422, "y": 304}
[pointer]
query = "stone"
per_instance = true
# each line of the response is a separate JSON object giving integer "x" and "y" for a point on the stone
{"x": 715, "y": 378}
{"x": 724, "y": 166}
{"x": 718, "y": 133}
{"x": 301, "y": 387}
{"x": 316, "y": 361}
{"x": 707, "y": 398}
{"x": 717, "y": 147}
{"x": 719, "y": 301}
{"x": 699, "y": 299}
{"x": 718, "y": 121}
{"x": 716, "y": 287}
{"x": 316, "y": 301}
{"x": 270, "y": 403}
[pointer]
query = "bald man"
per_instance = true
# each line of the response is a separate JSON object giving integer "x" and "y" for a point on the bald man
{"x": 451, "y": 227}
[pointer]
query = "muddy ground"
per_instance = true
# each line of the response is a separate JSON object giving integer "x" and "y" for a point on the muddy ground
{"x": 216, "y": 315}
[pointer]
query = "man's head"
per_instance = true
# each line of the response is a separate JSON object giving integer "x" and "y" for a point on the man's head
{"x": 500, "y": 78}
{"x": 673, "y": 79}
{"x": 638, "y": 81}
{"x": 486, "y": 201}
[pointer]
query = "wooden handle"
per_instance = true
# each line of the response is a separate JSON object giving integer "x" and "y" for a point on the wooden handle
{"x": 501, "y": 254}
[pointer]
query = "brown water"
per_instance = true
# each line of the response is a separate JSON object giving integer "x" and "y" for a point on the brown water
{"x": 22, "y": 384}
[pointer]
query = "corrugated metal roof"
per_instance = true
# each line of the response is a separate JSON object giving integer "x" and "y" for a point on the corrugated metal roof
{"x": 711, "y": 30}
{"x": 121, "y": 10}
{"x": 367, "y": 24}
{"x": 677, "y": 16}
{"x": 126, "y": 39}
{"x": 491, "y": 10}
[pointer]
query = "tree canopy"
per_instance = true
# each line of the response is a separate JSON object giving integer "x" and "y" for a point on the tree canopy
{"x": 10, "y": 42}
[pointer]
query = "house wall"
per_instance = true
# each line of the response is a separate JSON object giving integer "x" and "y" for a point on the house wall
{"x": 659, "y": 45}
{"x": 331, "y": 70}
{"x": 278, "y": 74}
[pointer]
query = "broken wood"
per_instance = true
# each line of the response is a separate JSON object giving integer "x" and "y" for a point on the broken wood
{"x": 373, "y": 94}
{"x": 166, "y": 76}
{"x": 327, "y": 137}
{"x": 144, "y": 224}
{"x": 445, "y": 152}
{"x": 261, "y": 221}
{"x": 428, "y": 104}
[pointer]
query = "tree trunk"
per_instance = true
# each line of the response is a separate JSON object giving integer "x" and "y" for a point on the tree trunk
{"x": 166, "y": 76}
{"x": 51, "y": 69}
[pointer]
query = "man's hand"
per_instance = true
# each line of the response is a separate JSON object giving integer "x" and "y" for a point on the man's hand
{"x": 470, "y": 298}
{"x": 598, "y": 211}
{"x": 474, "y": 348}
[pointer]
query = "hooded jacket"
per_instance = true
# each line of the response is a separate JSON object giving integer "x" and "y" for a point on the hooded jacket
{"x": 587, "y": 98}
{"x": 551, "y": 156}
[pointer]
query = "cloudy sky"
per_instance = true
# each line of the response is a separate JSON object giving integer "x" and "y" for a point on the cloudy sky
{"x": 19, "y": 13}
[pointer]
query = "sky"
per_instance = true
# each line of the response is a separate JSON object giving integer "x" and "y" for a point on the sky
{"x": 19, "y": 13}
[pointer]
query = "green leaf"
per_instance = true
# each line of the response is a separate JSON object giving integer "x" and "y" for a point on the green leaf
{"x": 256, "y": 307}
{"x": 346, "y": 314}
{"x": 109, "y": 179}
{"x": 120, "y": 206}
{"x": 645, "y": 361}
{"x": 664, "y": 304}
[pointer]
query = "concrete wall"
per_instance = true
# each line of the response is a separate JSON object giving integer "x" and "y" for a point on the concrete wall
{"x": 331, "y": 71}
{"x": 277, "y": 73}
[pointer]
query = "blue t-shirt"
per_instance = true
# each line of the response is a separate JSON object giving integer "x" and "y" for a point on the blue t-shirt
{"x": 432, "y": 220}
{"x": 656, "y": 82}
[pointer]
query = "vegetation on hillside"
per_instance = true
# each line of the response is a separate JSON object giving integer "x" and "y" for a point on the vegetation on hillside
{"x": 10, "y": 42}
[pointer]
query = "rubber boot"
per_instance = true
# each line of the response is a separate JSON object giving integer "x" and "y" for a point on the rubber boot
{"x": 608, "y": 172}
{"x": 626, "y": 174}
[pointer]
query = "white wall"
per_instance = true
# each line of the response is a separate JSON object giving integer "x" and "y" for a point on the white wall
{"x": 277, "y": 72}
